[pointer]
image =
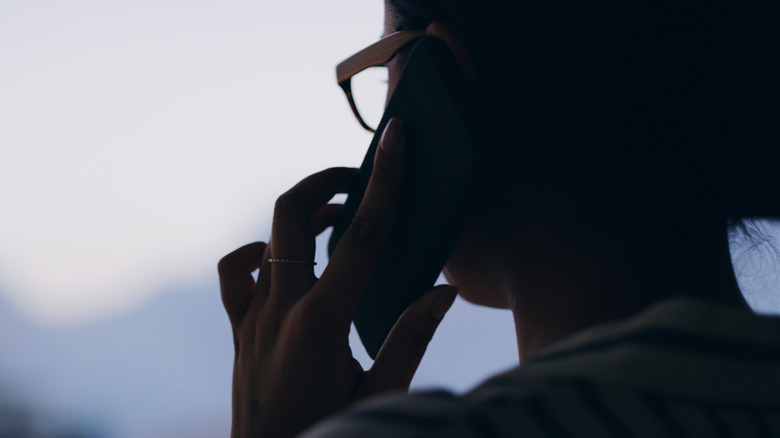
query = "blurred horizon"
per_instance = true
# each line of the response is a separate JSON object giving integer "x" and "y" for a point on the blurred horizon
{"x": 164, "y": 370}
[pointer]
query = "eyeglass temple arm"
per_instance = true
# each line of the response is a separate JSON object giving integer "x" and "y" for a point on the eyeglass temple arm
{"x": 376, "y": 54}
{"x": 347, "y": 87}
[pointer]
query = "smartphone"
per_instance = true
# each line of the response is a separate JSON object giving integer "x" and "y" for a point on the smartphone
{"x": 441, "y": 180}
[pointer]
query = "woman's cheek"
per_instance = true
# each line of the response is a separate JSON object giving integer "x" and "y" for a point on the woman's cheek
{"x": 474, "y": 276}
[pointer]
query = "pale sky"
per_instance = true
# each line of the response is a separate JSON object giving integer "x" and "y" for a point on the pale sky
{"x": 142, "y": 140}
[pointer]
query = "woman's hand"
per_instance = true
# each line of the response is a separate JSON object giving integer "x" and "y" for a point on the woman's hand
{"x": 293, "y": 365}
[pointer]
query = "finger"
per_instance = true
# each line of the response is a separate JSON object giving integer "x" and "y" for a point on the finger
{"x": 235, "y": 279}
{"x": 325, "y": 217}
{"x": 265, "y": 322}
{"x": 292, "y": 235}
{"x": 404, "y": 347}
{"x": 355, "y": 258}
{"x": 263, "y": 286}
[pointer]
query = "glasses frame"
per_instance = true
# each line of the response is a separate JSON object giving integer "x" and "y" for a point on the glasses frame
{"x": 375, "y": 55}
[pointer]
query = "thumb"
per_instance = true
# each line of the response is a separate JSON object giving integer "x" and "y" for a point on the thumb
{"x": 404, "y": 347}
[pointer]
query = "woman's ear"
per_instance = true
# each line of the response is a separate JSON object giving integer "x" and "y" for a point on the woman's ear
{"x": 458, "y": 48}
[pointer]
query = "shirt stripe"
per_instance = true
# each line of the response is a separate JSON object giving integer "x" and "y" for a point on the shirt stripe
{"x": 681, "y": 369}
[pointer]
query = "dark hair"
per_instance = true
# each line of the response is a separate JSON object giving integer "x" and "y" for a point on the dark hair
{"x": 670, "y": 107}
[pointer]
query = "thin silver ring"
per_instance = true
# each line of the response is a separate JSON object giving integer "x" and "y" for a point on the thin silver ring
{"x": 292, "y": 262}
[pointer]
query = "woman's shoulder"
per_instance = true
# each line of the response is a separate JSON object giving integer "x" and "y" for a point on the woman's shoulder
{"x": 679, "y": 348}
{"x": 681, "y": 367}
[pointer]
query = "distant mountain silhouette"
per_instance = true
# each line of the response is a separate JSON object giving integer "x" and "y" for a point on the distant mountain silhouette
{"x": 164, "y": 370}
{"x": 155, "y": 372}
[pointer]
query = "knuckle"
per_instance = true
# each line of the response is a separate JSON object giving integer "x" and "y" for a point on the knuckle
{"x": 223, "y": 265}
{"x": 226, "y": 265}
{"x": 383, "y": 172}
{"x": 305, "y": 312}
{"x": 366, "y": 229}
{"x": 415, "y": 342}
{"x": 307, "y": 319}
{"x": 285, "y": 204}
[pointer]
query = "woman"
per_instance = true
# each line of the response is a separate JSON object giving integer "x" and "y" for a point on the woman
{"x": 628, "y": 139}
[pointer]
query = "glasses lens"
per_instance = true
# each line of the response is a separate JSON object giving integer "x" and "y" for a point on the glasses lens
{"x": 369, "y": 90}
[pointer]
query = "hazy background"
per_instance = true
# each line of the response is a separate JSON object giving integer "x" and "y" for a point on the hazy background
{"x": 139, "y": 142}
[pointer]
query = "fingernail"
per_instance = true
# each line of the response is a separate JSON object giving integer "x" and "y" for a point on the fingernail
{"x": 444, "y": 302}
{"x": 392, "y": 136}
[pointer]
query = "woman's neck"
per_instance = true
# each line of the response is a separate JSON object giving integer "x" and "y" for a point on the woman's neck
{"x": 564, "y": 286}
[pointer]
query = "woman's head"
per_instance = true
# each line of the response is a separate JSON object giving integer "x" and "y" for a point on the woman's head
{"x": 663, "y": 96}
{"x": 650, "y": 118}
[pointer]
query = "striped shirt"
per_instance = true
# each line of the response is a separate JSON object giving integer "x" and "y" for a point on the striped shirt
{"x": 682, "y": 368}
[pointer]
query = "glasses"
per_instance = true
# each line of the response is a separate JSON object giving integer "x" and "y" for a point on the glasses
{"x": 371, "y": 87}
